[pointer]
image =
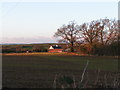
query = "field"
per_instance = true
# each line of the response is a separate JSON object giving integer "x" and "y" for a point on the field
{"x": 38, "y": 71}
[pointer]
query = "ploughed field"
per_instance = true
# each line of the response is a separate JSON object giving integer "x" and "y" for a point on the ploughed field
{"x": 39, "y": 71}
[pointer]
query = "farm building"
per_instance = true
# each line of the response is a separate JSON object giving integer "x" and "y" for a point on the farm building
{"x": 55, "y": 48}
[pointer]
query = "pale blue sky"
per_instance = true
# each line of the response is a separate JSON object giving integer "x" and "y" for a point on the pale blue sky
{"x": 36, "y": 22}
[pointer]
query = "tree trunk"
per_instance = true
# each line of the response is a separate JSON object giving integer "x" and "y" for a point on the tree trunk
{"x": 72, "y": 49}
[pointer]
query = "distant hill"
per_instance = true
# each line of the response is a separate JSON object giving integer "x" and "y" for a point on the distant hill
{"x": 27, "y": 43}
{"x": 10, "y": 44}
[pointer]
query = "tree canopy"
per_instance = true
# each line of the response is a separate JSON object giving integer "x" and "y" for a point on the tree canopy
{"x": 95, "y": 35}
{"x": 68, "y": 34}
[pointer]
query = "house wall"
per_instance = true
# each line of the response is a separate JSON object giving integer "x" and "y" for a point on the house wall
{"x": 55, "y": 50}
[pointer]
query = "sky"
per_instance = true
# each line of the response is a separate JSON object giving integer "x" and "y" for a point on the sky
{"x": 36, "y": 22}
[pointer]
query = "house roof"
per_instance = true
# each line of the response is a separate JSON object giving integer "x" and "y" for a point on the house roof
{"x": 56, "y": 47}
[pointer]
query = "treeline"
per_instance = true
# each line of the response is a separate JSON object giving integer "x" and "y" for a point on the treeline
{"x": 109, "y": 50}
{"x": 98, "y": 37}
{"x": 26, "y": 47}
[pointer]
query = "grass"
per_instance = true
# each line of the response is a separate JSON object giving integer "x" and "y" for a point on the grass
{"x": 38, "y": 71}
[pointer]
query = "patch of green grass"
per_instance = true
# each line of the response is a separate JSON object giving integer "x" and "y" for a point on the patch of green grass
{"x": 70, "y": 62}
{"x": 105, "y": 64}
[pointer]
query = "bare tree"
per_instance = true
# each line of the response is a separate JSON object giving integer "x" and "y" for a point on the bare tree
{"x": 103, "y": 31}
{"x": 68, "y": 34}
{"x": 109, "y": 31}
{"x": 89, "y": 33}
